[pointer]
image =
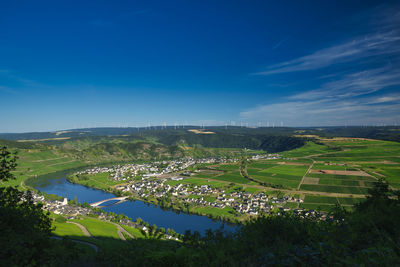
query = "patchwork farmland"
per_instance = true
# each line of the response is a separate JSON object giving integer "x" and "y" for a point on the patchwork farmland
{"x": 325, "y": 173}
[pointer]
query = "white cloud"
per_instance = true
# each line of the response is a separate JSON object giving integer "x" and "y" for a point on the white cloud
{"x": 328, "y": 112}
{"x": 354, "y": 84}
{"x": 376, "y": 44}
{"x": 358, "y": 92}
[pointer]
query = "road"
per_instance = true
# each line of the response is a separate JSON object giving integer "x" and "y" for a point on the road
{"x": 83, "y": 228}
{"x": 122, "y": 230}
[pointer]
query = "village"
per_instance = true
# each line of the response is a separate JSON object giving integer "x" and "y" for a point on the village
{"x": 153, "y": 169}
{"x": 241, "y": 201}
{"x": 160, "y": 168}
{"x": 157, "y": 181}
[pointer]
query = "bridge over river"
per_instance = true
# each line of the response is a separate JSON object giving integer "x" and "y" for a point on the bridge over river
{"x": 98, "y": 203}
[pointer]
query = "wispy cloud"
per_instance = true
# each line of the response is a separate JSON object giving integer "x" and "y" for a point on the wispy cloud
{"x": 358, "y": 92}
{"x": 384, "y": 109}
{"x": 278, "y": 44}
{"x": 7, "y": 90}
{"x": 356, "y": 98}
{"x": 355, "y": 84}
{"x": 377, "y": 44}
{"x": 18, "y": 81}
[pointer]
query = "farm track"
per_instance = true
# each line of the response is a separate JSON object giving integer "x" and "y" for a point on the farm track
{"x": 304, "y": 176}
{"x": 121, "y": 231}
{"x": 83, "y": 228}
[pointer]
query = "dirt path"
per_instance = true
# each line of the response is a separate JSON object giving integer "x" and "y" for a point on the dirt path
{"x": 83, "y": 228}
{"x": 304, "y": 176}
{"x": 122, "y": 230}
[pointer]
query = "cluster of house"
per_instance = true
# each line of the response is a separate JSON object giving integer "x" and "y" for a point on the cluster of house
{"x": 246, "y": 203}
{"x": 241, "y": 201}
{"x": 265, "y": 156}
{"x": 62, "y": 207}
{"x": 158, "y": 168}
{"x": 153, "y": 169}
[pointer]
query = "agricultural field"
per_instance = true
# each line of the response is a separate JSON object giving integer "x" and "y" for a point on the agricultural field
{"x": 325, "y": 203}
{"x": 353, "y": 165}
{"x": 274, "y": 172}
{"x": 213, "y": 211}
{"x": 98, "y": 228}
{"x": 309, "y": 149}
{"x": 99, "y": 180}
{"x": 342, "y": 168}
{"x": 223, "y": 172}
{"x": 33, "y": 162}
{"x": 287, "y": 175}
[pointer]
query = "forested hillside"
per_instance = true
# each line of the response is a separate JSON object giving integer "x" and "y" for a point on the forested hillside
{"x": 390, "y": 133}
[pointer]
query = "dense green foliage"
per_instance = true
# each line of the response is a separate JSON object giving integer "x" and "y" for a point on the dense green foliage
{"x": 8, "y": 163}
{"x": 25, "y": 229}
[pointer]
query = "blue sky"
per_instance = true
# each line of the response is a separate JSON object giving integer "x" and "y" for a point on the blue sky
{"x": 70, "y": 64}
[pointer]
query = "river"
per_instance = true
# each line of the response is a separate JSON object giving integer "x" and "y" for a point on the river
{"x": 56, "y": 183}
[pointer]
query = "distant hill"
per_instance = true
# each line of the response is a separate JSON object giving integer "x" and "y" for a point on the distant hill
{"x": 22, "y": 145}
{"x": 391, "y": 133}
{"x": 120, "y": 144}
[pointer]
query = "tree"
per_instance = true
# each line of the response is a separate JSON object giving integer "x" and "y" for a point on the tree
{"x": 8, "y": 163}
{"x": 25, "y": 229}
{"x": 153, "y": 232}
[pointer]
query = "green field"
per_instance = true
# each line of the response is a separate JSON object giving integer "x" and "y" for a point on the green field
{"x": 233, "y": 176}
{"x": 321, "y": 207}
{"x": 319, "y": 166}
{"x": 309, "y": 149}
{"x": 288, "y": 176}
{"x": 294, "y": 170}
{"x": 133, "y": 231}
{"x": 98, "y": 228}
{"x": 99, "y": 180}
{"x": 320, "y": 199}
{"x": 338, "y": 182}
{"x": 335, "y": 189}
{"x": 67, "y": 229}
{"x": 34, "y": 162}
{"x": 327, "y": 203}
{"x": 213, "y": 211}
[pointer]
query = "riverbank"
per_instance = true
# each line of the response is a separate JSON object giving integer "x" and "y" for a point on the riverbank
{"x": 101, "y": 182}
{"x": 57, "y": 184}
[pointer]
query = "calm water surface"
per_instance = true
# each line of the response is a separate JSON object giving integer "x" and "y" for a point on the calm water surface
{"x": 56, "y": 183}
